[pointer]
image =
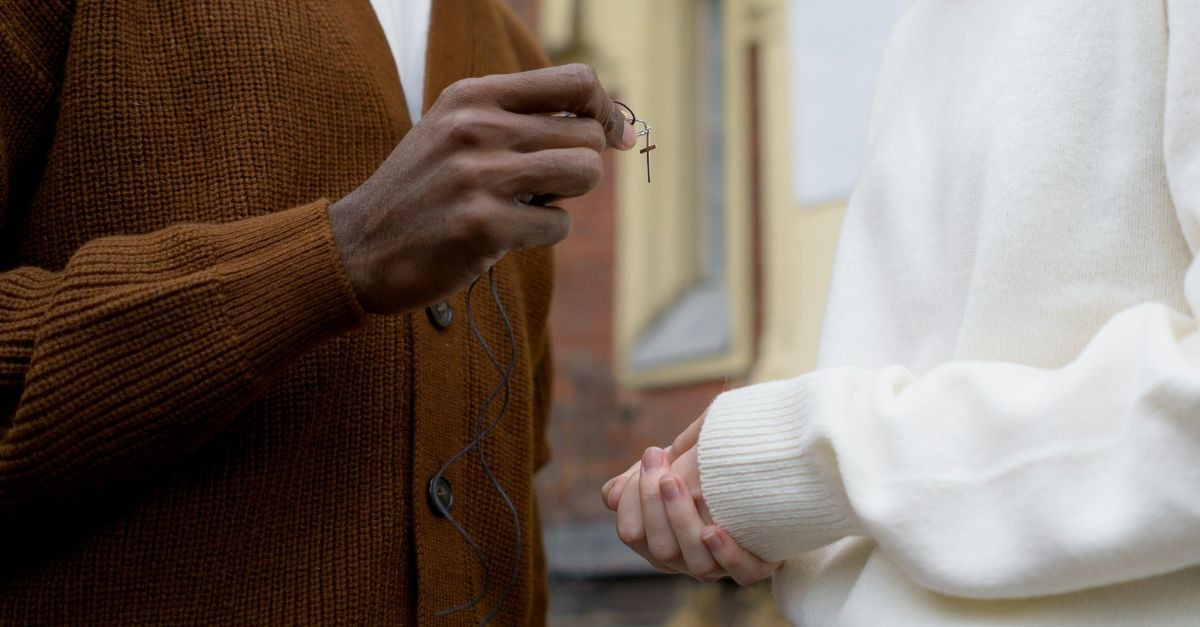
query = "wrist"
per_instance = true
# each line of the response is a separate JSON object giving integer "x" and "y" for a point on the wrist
{"x": 345, "y": 218}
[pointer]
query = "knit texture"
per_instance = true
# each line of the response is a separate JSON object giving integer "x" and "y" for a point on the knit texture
{"x": 200, "y": 425}
{"x": 760, "y": 476}
{"x": 1009, "y": 370}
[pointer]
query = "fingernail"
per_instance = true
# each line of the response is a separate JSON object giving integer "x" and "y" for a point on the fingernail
{"x": 629, "y": 136}
{"x": 652, "y": 460}
{"x": 712, "y": 539}
{"x": 669, "y": 488}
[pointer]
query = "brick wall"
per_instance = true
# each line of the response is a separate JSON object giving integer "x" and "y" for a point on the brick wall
{"x": 598, "y": 429}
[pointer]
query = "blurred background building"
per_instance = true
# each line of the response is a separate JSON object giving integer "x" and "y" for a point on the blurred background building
{"x": 713, "y": 275}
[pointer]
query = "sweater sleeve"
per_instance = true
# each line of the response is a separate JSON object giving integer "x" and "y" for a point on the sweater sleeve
{"x": 141, "y": 347}
{"x": 993, "y": 480}
{"x": 144, "y": 347}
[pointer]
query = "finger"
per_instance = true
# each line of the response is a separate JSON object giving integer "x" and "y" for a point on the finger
{"x": 541, "y": 132}
{"x": 475, "y": 126}
{"x": 660, "y": 540}
{"x": 572, "y": 88}
{"x": 685, "y": 441}
{"x": 606, "y": 490}
{"x": 619, "y": 490}
{"x": 630, "y": 529}
{"x": 516, "y": 226}
{"x": 629, "y": 523}
{"x": 611, "y": 492}
{"x": 744, "y": 567}
{"x": 687, "y": 467}
{"x": 559, "y": 172}
{"x": 687, "y": 527}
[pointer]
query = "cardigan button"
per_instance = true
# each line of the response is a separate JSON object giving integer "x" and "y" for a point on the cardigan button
{"x": 440, "y": 314}
{"x": 440, "y": 496}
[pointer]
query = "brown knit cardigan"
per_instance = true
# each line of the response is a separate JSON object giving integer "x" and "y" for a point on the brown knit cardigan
{"x": 199, "y": 423}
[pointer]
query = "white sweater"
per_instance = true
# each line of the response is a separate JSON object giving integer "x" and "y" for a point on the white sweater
{"x": 1005, "y": 425}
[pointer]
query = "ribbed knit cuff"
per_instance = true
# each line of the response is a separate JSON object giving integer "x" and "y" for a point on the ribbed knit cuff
{"x": 24, "y": 296}
{"x": 284, "y": 285}
{"x": 765, "y": 477}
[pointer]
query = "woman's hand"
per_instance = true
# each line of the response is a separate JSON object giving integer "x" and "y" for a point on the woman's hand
{"x": 661, "y": 515}
{"x": 685, "y": 441}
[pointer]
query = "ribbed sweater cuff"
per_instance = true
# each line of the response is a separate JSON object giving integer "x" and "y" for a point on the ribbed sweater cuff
{"x": 765, "y": 476}
{"x": 24, "y": 295}
{"x": 285, "y": 285}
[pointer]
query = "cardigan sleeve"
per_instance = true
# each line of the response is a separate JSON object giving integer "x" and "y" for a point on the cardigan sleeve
{"x": 141, "y": 347}
{"x": 993, "y": 480}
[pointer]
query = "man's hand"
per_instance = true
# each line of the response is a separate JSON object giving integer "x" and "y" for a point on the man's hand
{"x": 457, "y": 192}
{"x": 661, "y": 515}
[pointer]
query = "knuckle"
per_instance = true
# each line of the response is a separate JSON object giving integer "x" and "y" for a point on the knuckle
{"x": 584, "y": 75}
{"x": 650, "y": 494}
{"x": 596, "y": 139}
{"x": 470, "y": 173}
{"x": 475, "y": 225}
{"x": 481, "y": 263}
{"x": 709, "y": 573}
{"x": 595, "y": 169}
{"x": 664, "y": 552}
{"x": 631, "y": 535}
{"x": 583, "y": 166}
{"x": 465, "y": 127}
{"x": 591, "y": 167}
{"x": 461, "y": 91}
{"x": 744, "y": 581}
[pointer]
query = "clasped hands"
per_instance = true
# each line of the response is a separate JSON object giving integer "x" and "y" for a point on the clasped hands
{"x": 662, "y": 516}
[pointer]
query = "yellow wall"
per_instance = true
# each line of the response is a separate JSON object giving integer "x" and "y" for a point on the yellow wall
{"x": 643, "y": 52}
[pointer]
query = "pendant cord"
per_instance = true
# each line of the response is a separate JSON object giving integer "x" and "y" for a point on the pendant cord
{"x": 503, "y": 386}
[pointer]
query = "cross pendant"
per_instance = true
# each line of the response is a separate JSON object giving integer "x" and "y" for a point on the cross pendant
{"x": 646, "y": 151}
{"x": 645, "y": 132}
